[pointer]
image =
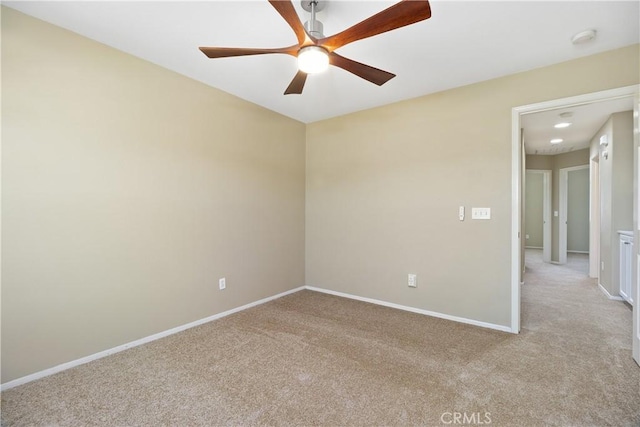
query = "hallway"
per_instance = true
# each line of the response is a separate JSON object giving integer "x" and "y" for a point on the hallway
{"x": 587, "y": 337}
{"x": 563, "y": 297}
{"x": 577, "y": 263}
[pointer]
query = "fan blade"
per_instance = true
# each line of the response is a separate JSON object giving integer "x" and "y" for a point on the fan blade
{"x": 225, "y": 52}
{"x": 286, "y": 10}
{"x": 367, "y": 72}
{"x": 399, "y": 15}
{"x": 297, "y": 84}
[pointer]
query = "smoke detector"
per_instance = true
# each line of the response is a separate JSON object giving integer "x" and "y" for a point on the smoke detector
{"x": 583, "y": 37}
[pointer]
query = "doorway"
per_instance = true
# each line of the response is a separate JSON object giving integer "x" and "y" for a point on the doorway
{"x": 517, "y": 174}
{"x": 537, "y": 228}
{"x": 574, "y": 211}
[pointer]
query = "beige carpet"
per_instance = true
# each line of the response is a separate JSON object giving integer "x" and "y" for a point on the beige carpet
{"x": 315, "y": 359}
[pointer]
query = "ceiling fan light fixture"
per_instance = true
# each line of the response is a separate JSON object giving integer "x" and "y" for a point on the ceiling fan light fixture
{"x": 315, "y": 52}
{"x": 313, "y": 59}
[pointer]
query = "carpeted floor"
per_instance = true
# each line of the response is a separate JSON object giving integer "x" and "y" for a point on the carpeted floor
{"x": 314, "y": 359}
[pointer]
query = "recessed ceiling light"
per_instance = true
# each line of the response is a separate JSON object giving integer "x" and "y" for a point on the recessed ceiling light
{"x": 562, "y": 125}
{"x": 556, "y": 140}
{"x": 583, "y": 37}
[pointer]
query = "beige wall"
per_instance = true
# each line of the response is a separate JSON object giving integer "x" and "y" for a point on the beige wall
{"x": 622, "y": 151}
{"x": 534, "y": 218}
{"x": 127, "y": 191}
{"x": 616, "y": 192}
{"x": 538, "y": 162}
{"x": 384, "y": 186}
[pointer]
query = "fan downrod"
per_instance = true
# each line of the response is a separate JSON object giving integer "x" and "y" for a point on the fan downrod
{"x": 320, "y": 4}
{"x": 313, "y": 26}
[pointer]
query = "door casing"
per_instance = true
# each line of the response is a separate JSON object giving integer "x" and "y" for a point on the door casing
{"x": 516, "y": 190}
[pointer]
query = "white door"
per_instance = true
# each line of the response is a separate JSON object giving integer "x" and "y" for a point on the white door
{"x": 546, "y": 216}
{"x": 564, "y": 212}
{"x": 537, "y": 223}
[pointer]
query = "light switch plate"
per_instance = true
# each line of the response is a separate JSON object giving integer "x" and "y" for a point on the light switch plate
{"x": 480, "y": 213}
{"x": 412, "y": 280}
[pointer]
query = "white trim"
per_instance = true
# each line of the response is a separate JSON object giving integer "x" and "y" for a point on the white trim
{"x": 532, "y": 247}
{"x": 608, "y": 295}
{"x": 136, "y": 343}
{"x": 635, "y": 274}
{"x": 594, "y": 217}
{"x": 562, "y": 217}
{"x": 413, "y": 309}
{"x": 546, "y": 215}
{"x": 72, "y": 364}
{"x": 574, "y": 101}
{"x": 516, "y": 216}
{"x": 577, "y": 252}
{"x": 516, "y": 142}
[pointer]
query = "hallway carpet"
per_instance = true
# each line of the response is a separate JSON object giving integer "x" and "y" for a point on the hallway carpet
{"x": 314, "y": 359}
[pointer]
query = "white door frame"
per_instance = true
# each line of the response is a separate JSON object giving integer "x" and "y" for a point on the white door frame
{"x": 516, "y": 173}
{"x": 546, "y": 216}
{"x": 564, "y": 211}
{"x": 594, "y": 217}
{"x": 635, "y": 273}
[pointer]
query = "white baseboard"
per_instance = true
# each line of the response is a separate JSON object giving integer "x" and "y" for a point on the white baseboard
{"x": 606, "y": 292}
{"x": 72, "y": 364}
{"x": 100, "y": 355}
{"x": 414, "y": 310}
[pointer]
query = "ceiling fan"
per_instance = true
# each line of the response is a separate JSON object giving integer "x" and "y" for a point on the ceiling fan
{"x": 315, "y": 52}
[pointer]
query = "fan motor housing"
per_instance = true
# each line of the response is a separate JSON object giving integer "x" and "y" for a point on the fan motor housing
{"x": 314, "y": 28}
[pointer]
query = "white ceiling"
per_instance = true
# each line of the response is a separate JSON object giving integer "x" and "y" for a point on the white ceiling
{"x": 462, "y": 43}
{"x": 585, "y": 122}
